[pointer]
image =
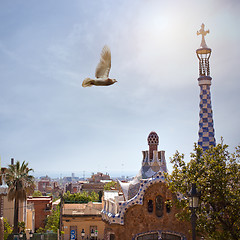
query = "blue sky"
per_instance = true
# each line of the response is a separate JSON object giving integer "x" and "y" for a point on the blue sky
{"x": 47, "y": 48}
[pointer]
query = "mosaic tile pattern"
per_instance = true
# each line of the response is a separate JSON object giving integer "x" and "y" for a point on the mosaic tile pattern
{"x": 206, "y": 129}
{"x": 154, "y": 165}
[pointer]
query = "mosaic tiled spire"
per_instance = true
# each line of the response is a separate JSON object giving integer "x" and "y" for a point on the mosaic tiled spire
{"x": 206, "y": 129}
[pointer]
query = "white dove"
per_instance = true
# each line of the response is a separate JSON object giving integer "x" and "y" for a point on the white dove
{"x": 102, "y": 71}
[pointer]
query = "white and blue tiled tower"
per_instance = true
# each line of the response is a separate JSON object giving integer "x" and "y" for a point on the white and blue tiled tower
{"x": 206, "y": 129}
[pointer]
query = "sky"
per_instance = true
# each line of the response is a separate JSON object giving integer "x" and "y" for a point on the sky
{"x": 47, "y": 48}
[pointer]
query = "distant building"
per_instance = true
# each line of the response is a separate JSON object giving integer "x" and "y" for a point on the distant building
{"x": 73, "y": 187}
{"x": 42, "y": 207}
{"x": 93, "y": 187}
{"x": 144, "y": 208}
{"x": 96, "y": 178}
{"x": 43, "y": 185}
{"x": 48, "y": 187}
{"x": 56, "y": 190}
{"x": 94, "y": 184}
{"x": 83, "y": 217}
{"x": 72, "y": 179}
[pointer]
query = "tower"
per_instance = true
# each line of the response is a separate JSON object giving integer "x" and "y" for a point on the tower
{"x": 153, "y": 141}
{"x": 153, "y": 160}
{"x": 206, "y": 130}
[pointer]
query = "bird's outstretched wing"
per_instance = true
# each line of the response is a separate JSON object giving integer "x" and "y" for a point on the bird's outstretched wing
{"x": 104, "y": 66}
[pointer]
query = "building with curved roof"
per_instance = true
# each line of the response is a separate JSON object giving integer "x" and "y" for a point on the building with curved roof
{"x": 144, "y": 207}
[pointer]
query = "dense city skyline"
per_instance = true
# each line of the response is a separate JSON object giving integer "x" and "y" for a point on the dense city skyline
{"x": 48, "y": 48}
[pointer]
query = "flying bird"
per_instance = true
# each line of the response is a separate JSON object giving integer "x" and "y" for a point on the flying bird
{"x": 102, "y": 71}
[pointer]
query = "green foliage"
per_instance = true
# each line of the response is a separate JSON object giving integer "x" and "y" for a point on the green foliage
{"x": 19, "y": 181}
{"x": 7, "y": 228}
{"x": 37, "y": 194}
{"x": 110, "y": 185}
{"x": 21, "y": 226}
{"x": 40, "y": 230}
{"x": 216, "y": 173}
{"x": 94, "y": 196}
{"x": 83, "y": 197}
{"x": 53, "y": 221}
{"x": 20, "y": 185}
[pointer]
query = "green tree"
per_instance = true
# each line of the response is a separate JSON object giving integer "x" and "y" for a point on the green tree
{"x": 7, "y": 228}
{"x": 94, "y": 196}
{"x": 216, "y": 173}
{"x": 40, "y": 230}
{"x": 52, "y": 223}
{"x": 37, "y": 194}
{"x": 83, "y": 197}
{"x": 20, "y": 184}
{"x": 110, "y": 185}
{"x": 22, "y": 226}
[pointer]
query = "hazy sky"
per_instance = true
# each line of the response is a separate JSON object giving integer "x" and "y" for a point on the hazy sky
{"x": 48, "y": 47}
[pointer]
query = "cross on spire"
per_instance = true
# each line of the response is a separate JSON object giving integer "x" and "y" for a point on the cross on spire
{"x": 203, "y": 33}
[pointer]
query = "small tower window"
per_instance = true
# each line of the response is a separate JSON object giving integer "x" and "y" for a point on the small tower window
{"x": 159, "y": 206}
{"x": 150, "y": 206}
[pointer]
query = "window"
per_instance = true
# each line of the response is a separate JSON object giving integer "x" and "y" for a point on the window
{"x": 159, "y": 206}
{"x": 169, "y": 236}
{"x": 112, "y": 236}
{"x": 150, "y": 206}
{"x": 47, "y": 207}
{"x": 149, "y": 236}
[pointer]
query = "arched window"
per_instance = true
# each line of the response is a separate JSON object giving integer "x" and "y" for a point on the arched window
{"x": 159, "y": 206}
{"x": 159, "y": 235}
{"x": 148, "y": 236}
{"x": 150, "y": 206}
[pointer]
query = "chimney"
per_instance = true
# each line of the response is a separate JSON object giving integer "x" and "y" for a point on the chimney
{"x": 153, "y": 141}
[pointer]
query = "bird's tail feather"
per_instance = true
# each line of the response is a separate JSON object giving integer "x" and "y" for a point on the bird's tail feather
{"x": 87, "y": 82}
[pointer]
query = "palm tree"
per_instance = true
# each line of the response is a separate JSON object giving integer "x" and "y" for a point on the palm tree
{"x": 20, "y": 184}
